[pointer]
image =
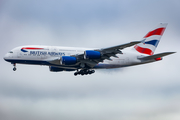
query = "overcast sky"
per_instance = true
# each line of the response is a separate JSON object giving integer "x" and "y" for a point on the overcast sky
{"x": 144, "y": 92}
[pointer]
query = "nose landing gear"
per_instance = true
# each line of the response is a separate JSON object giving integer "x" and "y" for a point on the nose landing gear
{"x": 14, "y": 64}
{"x": 84, "y": 72}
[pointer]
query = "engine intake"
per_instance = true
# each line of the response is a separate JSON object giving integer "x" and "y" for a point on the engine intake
{"x": 91, "y": 54}
{"x": 68, "y": 60}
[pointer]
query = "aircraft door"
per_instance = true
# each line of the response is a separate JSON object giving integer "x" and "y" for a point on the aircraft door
{"x": 19, "y": 54}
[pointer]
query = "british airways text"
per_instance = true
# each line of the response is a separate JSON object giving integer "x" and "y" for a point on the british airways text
{"x": 46, "y": 53}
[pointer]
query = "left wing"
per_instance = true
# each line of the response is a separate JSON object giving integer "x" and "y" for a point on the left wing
{"x": 112, "y": 51}
{"x": 122, "y": 46}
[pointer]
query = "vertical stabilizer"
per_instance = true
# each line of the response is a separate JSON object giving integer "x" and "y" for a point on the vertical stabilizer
{"x": 151, "y": 40}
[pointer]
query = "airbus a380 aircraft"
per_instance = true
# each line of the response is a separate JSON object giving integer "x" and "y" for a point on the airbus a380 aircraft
{"x": 85, "y": 60}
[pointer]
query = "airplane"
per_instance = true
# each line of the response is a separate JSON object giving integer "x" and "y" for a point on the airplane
{"x": 85, "y": 60}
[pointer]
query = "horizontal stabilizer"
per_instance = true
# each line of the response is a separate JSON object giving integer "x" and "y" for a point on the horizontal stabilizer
{"x": 156, "y": 56}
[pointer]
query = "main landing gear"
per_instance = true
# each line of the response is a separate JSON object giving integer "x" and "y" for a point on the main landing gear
{"x": 84, "y": 72}
{"x": 14, "y": 64}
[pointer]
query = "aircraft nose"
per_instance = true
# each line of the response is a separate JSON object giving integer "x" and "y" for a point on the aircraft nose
{"x": 6, "y": 56}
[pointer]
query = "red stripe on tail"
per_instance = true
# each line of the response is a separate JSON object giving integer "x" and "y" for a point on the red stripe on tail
{"x": 143, "y": 50}
{"x": 158, "y": 31}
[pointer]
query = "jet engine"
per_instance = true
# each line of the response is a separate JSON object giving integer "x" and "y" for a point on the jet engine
{"x": 91, "y": 54}
{"x": 68, "y": 60}
{"x": 55, "y": 69}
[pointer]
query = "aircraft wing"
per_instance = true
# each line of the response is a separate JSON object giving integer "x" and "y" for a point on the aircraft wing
{"x": 122, "y": 46}
{"x": 156, "y": 56}
{"x": 106, "y": 53}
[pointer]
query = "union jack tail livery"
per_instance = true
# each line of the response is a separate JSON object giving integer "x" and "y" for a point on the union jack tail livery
{"x": 150, "y": 40}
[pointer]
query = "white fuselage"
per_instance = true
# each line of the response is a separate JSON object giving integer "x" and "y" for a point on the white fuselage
{"x": 49, "y": 53}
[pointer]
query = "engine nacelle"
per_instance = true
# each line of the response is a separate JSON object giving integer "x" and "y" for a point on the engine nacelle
{"x": 69, "y": 70}
{"x": 91, "y": 54}
{"x": 55, "y": 69}
{"x": 68, "y": 60}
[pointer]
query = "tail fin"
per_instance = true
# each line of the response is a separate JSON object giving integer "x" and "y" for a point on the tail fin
{"x": 151, "y": 40}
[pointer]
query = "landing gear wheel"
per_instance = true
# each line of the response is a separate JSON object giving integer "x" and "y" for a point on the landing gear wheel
{"x": 84, "y": 72}
{"x": 75, "y": 74}
{"x": 14, "y": 64}
{"x": 14, "y": 69}
{"x": 93, "y": 71}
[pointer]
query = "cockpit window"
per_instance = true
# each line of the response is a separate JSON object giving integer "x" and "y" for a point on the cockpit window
{"x": 10, "y": 51}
